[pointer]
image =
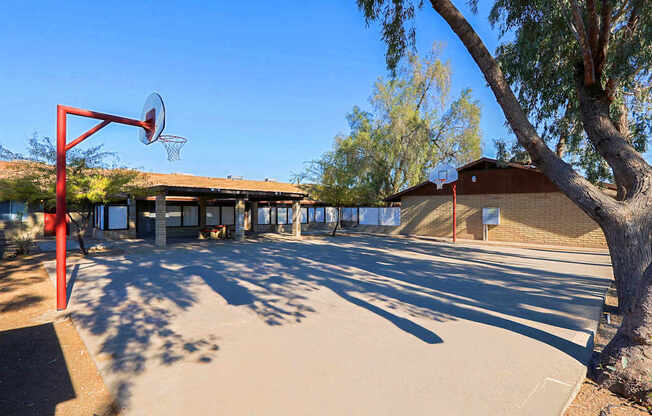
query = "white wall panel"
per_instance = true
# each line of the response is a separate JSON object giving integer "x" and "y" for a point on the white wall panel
{"x": 369, "y": 216}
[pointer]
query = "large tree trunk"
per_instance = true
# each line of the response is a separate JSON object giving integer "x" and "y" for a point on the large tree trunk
{"x": 337, "y": 222}
{"x": 80, "y": 232}
{"x": 626, "y": 363}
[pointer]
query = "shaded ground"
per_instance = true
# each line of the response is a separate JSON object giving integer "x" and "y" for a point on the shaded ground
{"x": 45, "y": 368}
{"x": 593, "y": 400}
{"x": 346, "y": 325}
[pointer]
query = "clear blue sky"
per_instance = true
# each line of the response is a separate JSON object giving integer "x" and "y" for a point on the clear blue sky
{"x": 257, "y": 87}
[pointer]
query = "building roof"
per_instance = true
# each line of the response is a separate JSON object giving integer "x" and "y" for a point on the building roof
{"x": 187, "y": 184}
{"x": 192, "y": 181}
{"x": 487, "y": 162}
{"x": 527, "y": 178}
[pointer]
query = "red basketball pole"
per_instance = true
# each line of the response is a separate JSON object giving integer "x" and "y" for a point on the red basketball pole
{"x": 454, "y": 212}
{"x": 62, "y": 148}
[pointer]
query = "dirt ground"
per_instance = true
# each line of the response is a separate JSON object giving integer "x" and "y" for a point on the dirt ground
{"x": 593, "y": 400}
{"x": 45, "y": 368}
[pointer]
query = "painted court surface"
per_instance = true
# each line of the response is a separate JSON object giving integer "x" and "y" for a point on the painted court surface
{"x": 345, "y": 325}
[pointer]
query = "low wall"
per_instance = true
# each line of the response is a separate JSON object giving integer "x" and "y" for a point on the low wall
{"x": 287, "y": 228}
{"x": 374, "y": 229}
{"x": 32, "y": 225}
{"x": 114, "y": 234}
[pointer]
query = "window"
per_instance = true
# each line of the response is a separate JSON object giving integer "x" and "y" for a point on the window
{"x": 228, "y": 215}
{"x": 173, "y": 216}
{"x": 117, "y": 217}
{"x": 190, "y": 216}
{"x": 273, "y": 219}
{"x": 264, "y": 215}
{"x": 13, "y": 211}
{"x": 290, "y": 219}
{"x": 311, "y": 214}
{"x": 319, "y": 214}
{"x": 282, "y": 215}
{"x": 212, "y": 215}
{"x": 331, "y": 214}
{"x": 304, "y": 215}
{"x": 347, "y": 214}
{"x": 101, "y": 216}
{"x": 97, "y": 216}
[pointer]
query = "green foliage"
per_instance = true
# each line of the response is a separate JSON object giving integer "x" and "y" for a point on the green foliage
{"x": 92, "y": 176}
{"x": 540, "y": 56}
{"x": 515, "y": 153}
{"x": 414, "y": 125}
{"x": 23, "y": 243}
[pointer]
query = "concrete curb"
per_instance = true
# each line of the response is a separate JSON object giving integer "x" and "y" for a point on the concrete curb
{"x": 591, "y": 344}
{"x": 580, "y": 380}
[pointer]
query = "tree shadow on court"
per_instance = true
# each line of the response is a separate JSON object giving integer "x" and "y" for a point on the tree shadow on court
{"x": 131, "y": 303}
{"x": 130, "y": 307}
{"x": 373, "y": 274}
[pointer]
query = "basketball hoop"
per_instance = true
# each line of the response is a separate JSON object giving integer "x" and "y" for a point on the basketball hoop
{"x": 442, "y": 174}
{"x": 173, "y": 145}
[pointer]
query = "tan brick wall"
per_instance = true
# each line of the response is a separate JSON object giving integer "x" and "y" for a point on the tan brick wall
{"x": 541, "y": 218}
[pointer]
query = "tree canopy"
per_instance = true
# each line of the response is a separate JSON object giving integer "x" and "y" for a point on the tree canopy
{"x": 541, "y": 64}
{"x": 413, "y": 124}
{"x": 92, "y": 176}
{"x": 576, "y": 73}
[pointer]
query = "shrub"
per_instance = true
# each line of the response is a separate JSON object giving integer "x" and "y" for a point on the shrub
{"x": 23, "y": 243}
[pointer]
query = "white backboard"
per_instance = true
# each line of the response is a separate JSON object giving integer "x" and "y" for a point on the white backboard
{"x": 443, "y": 173}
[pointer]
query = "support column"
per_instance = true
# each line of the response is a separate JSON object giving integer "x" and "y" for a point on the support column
{"x": 254, "y": 216}
{"x": 296, "y": 219}
{"x": 132, "y": 216}
{"x": 160, "y": 230}
{"x": 202, "y": 212}
{"x": 239, "y": 219}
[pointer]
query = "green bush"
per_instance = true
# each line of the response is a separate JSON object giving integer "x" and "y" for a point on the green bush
{"x": 23, "y": 243}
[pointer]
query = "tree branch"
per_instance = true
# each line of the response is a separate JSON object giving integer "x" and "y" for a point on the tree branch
{"x": 587, "y": 55}
{"x": 591, "y": 199}
{"x": 592, "y": 26}
{"x": 603, "y": 40}
{"x": 620, "y": 12}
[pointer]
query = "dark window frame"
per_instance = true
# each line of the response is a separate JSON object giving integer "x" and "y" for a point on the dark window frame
{"x": 105, "y": 227}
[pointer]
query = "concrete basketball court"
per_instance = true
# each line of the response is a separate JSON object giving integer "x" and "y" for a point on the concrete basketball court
{"x": 345, "y": 325}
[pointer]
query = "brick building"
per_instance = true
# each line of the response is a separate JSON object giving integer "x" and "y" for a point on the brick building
{"x": 532, "y": 209}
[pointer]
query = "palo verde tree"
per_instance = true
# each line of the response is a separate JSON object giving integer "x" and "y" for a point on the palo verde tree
{"x": 334, "y": 178}
{"x": 91, "y": 177}
{"x": 413, "y": 125}
{"x": 594, "y": 56}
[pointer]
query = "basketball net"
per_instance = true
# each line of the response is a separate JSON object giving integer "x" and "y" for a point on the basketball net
{"x": 173, "y": 145}
{"x": 443, "y": 175}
